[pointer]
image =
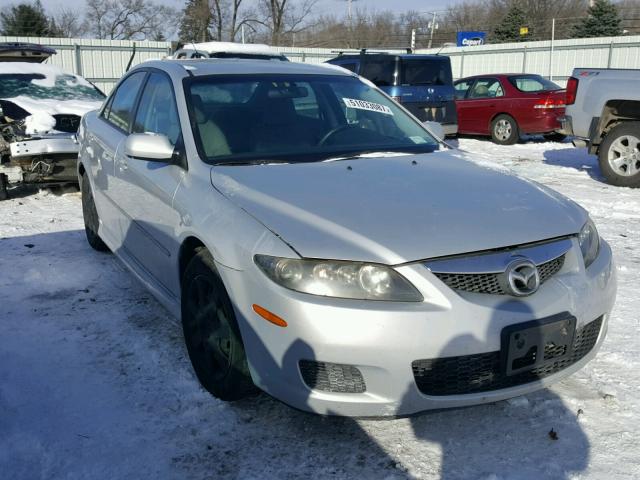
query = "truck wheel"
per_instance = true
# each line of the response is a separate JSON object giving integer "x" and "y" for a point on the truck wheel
{"x": 504, "y": 130}
{"x": 91, "y": 219}
{"x": 4, "y": 184}
{"x": 619, "y": 155}
{"x": 211, "y": 332}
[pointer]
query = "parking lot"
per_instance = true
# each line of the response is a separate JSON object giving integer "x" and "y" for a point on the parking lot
{"x": 95, "y": 381}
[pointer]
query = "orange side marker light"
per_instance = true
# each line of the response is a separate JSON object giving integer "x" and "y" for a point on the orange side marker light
{"x": 268, "y": 316}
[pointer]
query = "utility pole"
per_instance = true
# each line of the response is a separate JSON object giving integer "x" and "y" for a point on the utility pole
{"x": 553, "y": 39}
{"x": 413, "y": 39}
{"x": 432, "y": 28}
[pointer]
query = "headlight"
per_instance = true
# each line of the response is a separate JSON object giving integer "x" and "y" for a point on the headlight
{"x": 330, "y": 278}
{"x": 589, "y": 242}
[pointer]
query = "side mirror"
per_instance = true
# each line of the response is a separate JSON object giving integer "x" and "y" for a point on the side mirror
{"x": 149, "y": 146}
{"x": 435, "y": 129}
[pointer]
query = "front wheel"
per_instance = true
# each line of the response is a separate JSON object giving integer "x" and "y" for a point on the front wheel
{"x": 211, "y": 332}
{"x": 619, "y": 155}
{"x": 504, "y": 130}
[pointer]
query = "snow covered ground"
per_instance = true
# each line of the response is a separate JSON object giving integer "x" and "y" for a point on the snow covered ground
{"x": 95, "y": 382}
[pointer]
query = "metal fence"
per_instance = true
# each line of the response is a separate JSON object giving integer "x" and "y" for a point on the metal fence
{"x": 104, "y": 61}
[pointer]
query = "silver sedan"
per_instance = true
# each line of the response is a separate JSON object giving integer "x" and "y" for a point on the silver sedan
{"x": 319, "y": 243}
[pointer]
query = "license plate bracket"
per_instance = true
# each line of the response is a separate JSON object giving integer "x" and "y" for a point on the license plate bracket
{"x": 529, "y": 345}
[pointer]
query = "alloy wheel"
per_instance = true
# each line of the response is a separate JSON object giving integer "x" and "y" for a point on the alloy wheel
{"x": 503, "y": 130}
{"x": 624, "y": 155}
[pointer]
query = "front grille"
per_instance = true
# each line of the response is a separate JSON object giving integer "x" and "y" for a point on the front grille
{"x": 67, "y": 123}
{"x": 490, "y": 282}
{"x": 332, "y": 377}
{"x": 483, "y": 372}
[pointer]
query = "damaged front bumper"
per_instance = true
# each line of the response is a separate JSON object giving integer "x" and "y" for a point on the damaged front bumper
{"x": 45, "y": 159}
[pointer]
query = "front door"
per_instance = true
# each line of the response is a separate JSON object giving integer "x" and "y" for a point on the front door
{"x": 145, "y": 189}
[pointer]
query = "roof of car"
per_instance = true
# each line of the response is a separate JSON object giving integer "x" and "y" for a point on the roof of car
{"x": 416, "y": 56}
{"x": 236, "y": 66}
{"x": 488, "y": 75}
{"x": 231, "y": 47}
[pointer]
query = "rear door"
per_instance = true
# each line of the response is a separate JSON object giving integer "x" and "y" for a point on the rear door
{"x": 484, "y": 99}
{"x": 145, "y": 189}
{"x": 426, "y": 88}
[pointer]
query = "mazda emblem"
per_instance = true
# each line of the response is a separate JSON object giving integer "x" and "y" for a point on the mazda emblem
{"x": 523, "y": 277}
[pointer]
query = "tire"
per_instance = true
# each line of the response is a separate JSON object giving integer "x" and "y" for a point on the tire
{"x": 91, "y": 219}
{"x": 4, "y": 184}
{"x": 504, "y": 130}
{"x": 555, "y": 137}
{"x": 619, "y": 155}
{"x": 211, "y": 332}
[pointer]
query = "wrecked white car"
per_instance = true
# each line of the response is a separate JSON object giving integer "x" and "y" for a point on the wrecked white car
{"x": 40, "y": 111}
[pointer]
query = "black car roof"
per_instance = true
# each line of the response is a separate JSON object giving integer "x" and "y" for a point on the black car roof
{"x": 24, "y": 52}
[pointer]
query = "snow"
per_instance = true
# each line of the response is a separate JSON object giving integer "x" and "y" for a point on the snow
{"x": 50, "y": 73}
{"x": 95, "y": 381}
{"x": 42, "y": 109}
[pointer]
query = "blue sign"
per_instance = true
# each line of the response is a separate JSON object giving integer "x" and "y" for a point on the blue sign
{"x": 471, "y": 39}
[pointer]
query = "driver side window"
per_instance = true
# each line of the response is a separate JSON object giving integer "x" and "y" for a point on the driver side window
{"x": 157, "y": 112}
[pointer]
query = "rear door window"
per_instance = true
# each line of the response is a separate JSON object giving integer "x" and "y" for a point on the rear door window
{"x": 120, "y": 108}
{"x": 426, "y": 72}
{"x": 380, "y": 71}
{"x": 486, "y": 88}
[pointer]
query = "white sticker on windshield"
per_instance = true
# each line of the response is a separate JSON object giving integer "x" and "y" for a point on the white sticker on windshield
{"x": 370, "y": 106}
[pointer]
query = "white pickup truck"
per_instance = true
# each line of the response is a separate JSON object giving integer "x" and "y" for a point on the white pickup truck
{"x": 603, "y": 113}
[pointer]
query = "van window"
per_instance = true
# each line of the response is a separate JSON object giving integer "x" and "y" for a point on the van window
{"x": 351, "y": 66}
{"x": 426, "y": 72}
{"x": 380, "y": 71}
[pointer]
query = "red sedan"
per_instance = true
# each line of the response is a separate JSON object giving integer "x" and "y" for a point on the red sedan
{"x": 507, "y": 106}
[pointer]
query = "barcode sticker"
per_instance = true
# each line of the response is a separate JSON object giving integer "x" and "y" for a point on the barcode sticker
{"x": 364, "y": 105}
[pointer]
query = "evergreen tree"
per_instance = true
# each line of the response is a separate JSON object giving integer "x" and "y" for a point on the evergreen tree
{"x": 602, "y": 20}
{"x": 26, "y": 20}
{"x": 197, "y": 21}
{"x": 508, "y": 30}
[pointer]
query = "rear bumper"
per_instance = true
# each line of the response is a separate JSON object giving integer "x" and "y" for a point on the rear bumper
{"x": 450, "y": 129}
{"x": 566, "y": 125}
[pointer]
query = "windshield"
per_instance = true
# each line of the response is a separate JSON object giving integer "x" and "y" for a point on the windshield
{"x": 297, "y": 118}
{"x": 533, "y": 83}
{"x": 417, "y": 71}
{"x": 40, "y": 86}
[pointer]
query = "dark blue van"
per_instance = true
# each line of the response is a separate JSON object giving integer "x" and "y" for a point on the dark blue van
{"x": 423, "y": 84}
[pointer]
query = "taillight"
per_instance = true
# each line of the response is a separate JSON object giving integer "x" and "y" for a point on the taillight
{"x": 550, "y": 103}
{"x": 572, "y": 90}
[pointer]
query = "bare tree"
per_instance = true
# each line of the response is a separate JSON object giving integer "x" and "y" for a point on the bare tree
{"x": 69, "y": 23}
{"x": 284, "y": 17}
{"x": 130, "y": 19}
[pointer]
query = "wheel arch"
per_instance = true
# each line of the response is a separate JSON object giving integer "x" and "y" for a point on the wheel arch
{"x": 502, "y": 113}
{"x": 189, "y": 248}
{"x": 614, "y": 112}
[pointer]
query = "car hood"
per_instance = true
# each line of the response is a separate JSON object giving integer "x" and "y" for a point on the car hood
{"x": 394, "y": 210}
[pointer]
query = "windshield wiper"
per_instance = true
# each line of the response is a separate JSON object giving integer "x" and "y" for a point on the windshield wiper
{"x": 367, "y": 154}
{"x": 261, "y": 161}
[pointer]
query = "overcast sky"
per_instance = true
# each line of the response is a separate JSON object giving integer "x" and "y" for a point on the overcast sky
{"x": 324, "y": 5}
